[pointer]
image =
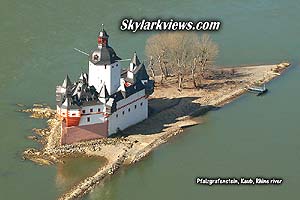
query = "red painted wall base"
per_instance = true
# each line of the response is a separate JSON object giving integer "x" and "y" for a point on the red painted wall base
{"x": 74, "y": 134}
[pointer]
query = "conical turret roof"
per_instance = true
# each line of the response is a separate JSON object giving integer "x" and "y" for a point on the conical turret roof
{"x": 135, "y": 60}
{"x": 67, "y": 82}
{"x": 103, "y": 92}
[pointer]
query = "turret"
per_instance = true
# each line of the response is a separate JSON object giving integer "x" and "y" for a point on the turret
{"x": 103, "y": 38}
{"x": 104, "y": 66}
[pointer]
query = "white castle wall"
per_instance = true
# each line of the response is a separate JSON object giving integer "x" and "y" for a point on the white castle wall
{"x": 93, "y": 117}
{"x": 108, "y": 74}
{"x": 131, "y": 98}
{"x": 95, "y": 108}
{"x": 129, "y": 112}
{"x": 70, "y": 112}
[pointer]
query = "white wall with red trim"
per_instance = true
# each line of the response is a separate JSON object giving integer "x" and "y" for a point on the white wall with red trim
{"x": 130, "y": 113}
{"x": 92, "y": 114}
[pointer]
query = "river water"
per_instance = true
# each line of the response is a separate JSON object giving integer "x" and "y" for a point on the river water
{"x": 253, "y": 136}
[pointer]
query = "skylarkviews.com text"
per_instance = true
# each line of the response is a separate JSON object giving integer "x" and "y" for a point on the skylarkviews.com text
{"x": 168, "y": 25}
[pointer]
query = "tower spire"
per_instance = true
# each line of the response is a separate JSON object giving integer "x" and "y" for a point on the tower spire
{"x": 102, "y": 38}
{"x": 67, "y": 82}
{"x": 135, "y": 60}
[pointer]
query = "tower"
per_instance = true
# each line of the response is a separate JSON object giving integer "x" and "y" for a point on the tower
{"x": 104, "y": 66}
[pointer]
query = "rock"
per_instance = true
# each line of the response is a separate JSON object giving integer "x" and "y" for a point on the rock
{"x": 30, "y": 151}
{"x": 38, "y": 105}
{"x": 32, "y": 137}
{"x": 286, "y": 64}
{"x": 283, "y": 64}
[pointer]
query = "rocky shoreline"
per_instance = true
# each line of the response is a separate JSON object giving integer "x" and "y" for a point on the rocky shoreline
{"x": 140, "y": 140}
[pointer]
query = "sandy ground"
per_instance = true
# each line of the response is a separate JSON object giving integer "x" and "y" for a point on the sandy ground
{"x": 170, "y": 111}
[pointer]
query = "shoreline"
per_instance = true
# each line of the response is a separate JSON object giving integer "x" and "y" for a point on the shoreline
{"x": 141, "y": 139}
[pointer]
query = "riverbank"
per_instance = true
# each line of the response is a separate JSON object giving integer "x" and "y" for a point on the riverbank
{"x": 170, "y": 111}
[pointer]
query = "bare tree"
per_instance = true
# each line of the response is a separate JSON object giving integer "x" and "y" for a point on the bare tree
{"x": 180, "y": 53}
{"x": 155, "y": 51}
{"x": 205, "y": 53}
{"x": 151, "y": 68}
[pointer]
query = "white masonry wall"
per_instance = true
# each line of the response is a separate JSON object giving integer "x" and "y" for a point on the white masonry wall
{"x": 93, "y": 117}
{"x": 129, "y": 112}
{"x": 108, "y": 74}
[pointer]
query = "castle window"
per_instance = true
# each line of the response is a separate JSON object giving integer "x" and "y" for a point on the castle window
{"x": 128, "y": 109}
{"x": 117, "y": 115}
{"x": 91, "y": 110}
{"x": 88, "y": 119}
{"x": 83, "y": 111}
{"x": 104, "y": 66}
{"x": 123, "y": 112}
{"x": 96, "y": 57}
{"x": 134, "y": 106}
{"x": 141, "y": 103}
{"x": 98, "y": 109}
{"x": 73, "y": 114}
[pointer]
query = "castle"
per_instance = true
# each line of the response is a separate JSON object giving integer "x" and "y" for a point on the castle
{"x": 106, "y": 100}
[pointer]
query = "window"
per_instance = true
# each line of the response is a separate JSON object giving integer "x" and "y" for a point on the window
{"x": 91, "y": 110}
{"x": 73, "y": 114}
{"x": 123, "y": 112}
{"x": 83, "y": 111}
{"x": 134, "y": 106}
{"x": 117, "y": 115}
{"x": 96, "y": 57}
{"x": 98, "y": 109}
{"x": 88, "y": 119}
{"x": 141, "y": 103}
{"x": 128, "y": 109}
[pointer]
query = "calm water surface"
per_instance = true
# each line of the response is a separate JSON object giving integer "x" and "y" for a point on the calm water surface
{"x": 250, "y": 137}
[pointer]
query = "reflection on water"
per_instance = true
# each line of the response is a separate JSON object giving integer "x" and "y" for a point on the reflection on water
{"x": 75, "y": 169}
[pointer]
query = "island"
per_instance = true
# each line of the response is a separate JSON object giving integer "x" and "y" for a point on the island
{"x": 175, "y": 102}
